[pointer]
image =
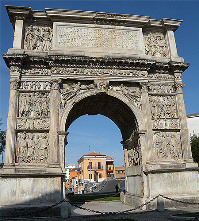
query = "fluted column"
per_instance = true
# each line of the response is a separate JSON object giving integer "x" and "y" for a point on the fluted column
{"x": 11, "y": 124}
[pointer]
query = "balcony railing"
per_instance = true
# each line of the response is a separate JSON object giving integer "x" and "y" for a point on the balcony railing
{"x": 95, "y": 168}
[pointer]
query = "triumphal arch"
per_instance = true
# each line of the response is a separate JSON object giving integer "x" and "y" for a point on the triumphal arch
{"x": 68, "y": 63}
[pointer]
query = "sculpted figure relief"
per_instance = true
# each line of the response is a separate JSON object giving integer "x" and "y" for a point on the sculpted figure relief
{"x": 35, "y": 104}
{"x": 155, "y": 44}
{"x": 166, "y": 124}
{"x": 36, "y": 71}
{"x": 34, "y": 85}
{"x": 32, "y": 147}
{"x": 38, "y": 37}
{"x": 70, "y": 90}
{"x": 33, "y": 123}
{"x": 161, "y": 88}
{"x": 98, "y": 72}
{"x": 168, "y": 145}
{"x": 163, "y": 107}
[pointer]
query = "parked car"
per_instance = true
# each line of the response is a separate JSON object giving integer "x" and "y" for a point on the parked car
{"x": 69, "y": 192}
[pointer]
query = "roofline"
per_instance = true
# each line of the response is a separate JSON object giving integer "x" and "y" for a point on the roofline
{"x": 193, "y": 115}
{"x": 52, "y": 15}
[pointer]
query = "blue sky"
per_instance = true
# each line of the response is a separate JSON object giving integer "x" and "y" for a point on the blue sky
{"x": 99, "y": 133}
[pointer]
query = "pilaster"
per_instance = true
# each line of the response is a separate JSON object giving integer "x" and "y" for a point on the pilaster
{"x": 147, "y": 125}
{"x": 172, "y": 47}
{"x": 184, "y": 133}
{"x": 11, "y": 124}
{"x": 18, "y": 34}
{"x": 54, "y": 123}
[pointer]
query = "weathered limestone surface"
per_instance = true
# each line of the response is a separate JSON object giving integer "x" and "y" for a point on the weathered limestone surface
{"x": 30, "y": 191}
{"x": 65, "y": 64}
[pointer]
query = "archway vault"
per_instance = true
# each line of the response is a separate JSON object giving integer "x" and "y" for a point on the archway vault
{"x": 109, "y": 106}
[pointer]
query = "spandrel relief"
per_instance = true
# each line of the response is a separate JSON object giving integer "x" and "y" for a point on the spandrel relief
{"x": 38, "y": 37}
{"x": 155, "y": 44}
{"x": 133, "y": 93}
{"x": 70, "y": 90}
{"x": 32, "y": 148}
{"x": 168, "y": 145}
{"x": 35, "y": 104}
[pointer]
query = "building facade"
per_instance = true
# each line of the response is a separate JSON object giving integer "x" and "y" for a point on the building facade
{"x": 94, "y": 167}
{"x": 67, "y": 174}
{"x": 193, "y": 124}
{"x": 119, "y": 172}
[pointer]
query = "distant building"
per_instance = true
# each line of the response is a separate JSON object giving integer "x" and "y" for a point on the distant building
{"x": 67, "y": 174}
{"x": 193, "y": 124}
{"x": 94, "y": 167}
{"x": 74, "y": 180}
{"x": 119, "y": 172}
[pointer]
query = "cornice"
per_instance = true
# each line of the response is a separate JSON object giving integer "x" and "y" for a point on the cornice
{"x": 62, "y": 61}
{"x": 77, "y": 16}
{"x": 17, "y": 12}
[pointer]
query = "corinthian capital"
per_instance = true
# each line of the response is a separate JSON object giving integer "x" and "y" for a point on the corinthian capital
{"x": 14, "y": 84}
{"x": 55, "y": 84}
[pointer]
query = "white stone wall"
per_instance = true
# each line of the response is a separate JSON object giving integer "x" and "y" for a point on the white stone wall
{"x": 193, "y": 124}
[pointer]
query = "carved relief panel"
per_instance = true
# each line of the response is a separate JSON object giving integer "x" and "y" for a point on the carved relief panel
{"x": 34, "y": 85}
{"x": 163, "y": 107}
{"x": 32, "y": 148}
{"x": 132, "y": 151}
{"x": 155, "y": 44}
{"x": 35, "y": 104}
{"x": 168, "y": 145}
{"x": 24, "y": 123}
{"x": 38, "y": 37}
{"x": 70, "y": 89}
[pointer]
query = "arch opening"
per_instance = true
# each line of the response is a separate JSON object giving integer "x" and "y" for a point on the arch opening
{"x": 123, "y": 116}
{"x": 95, "y": 133}
{"x": 108, "y": 106}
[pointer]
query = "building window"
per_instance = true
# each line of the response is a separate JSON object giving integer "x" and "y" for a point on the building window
{"x": 109, "y": 167}
{"x": 100, "y": 175}
{"x": 99, "y": 165}
{"x": 90, "y": 176}
{"x": 90, "y": 165}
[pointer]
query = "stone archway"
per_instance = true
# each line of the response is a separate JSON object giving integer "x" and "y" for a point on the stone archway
{"x": 65, "y": 63}
{"x": 122, "y": 115}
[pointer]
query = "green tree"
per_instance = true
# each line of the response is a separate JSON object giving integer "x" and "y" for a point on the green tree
{"x": 2, "y": 139}
{"x": 195, "y": 148}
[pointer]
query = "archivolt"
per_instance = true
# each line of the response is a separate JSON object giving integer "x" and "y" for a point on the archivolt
{"x": 117, "y": 108}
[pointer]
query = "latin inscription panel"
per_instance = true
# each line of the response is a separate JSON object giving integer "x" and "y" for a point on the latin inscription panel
{"x": 81, "y": 37}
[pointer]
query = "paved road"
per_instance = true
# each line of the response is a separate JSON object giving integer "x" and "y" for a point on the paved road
{"x": 110, "y": 186}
